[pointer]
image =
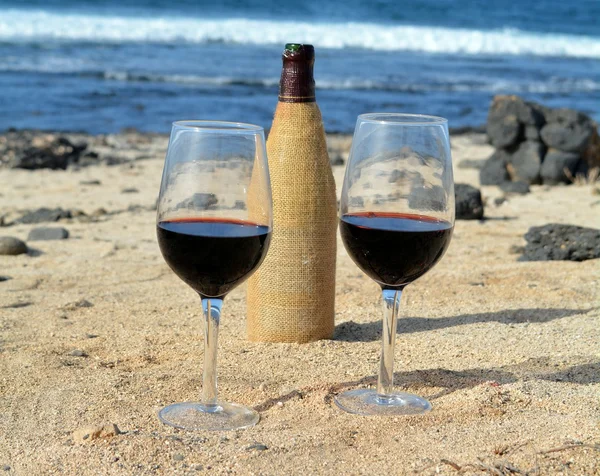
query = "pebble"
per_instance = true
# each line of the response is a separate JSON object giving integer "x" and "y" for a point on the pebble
{"x": 77, "y": 304}
{"x": 499, "y": 201}
{"x": 178, "y": 457}
{"x": 43, "y": 215}
{"x": 130, "y": 190}
{"x": 90, "y": 433}
{"x": 48, "y": 233}
{"x": 90, "y": 182}
{"x": 9, "y": 245}
{"x": 4, "y": 278}
{"x": 78, "y": 353}
{"x": 257, "y": 447}
{"x": 6, "y": 467}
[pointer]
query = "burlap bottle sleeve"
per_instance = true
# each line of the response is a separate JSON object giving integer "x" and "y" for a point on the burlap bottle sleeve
{"x": 291, "y": 296}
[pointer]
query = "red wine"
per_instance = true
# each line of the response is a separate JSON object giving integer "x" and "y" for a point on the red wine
{"x": 394, "y": 249}
{"x": 213, "y": 255}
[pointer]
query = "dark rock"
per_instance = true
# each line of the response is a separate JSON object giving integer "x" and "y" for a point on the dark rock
{"x": 591, "y": 155}
{"x": 555, "y": 164}
{"x": 525, "y": 162}
{"x": 257, "y": 447}
{"x": 90, "y": 182}
{"x": 11, "y": 246}
{"x": 6, "y": 467}
{"x": 336, "y": 158}
{"x": 471, "y": 164}
{"x": 561, "y": 242}
{"x": 520, "y": 188}
{"x": 567, "y": 130}
{"x": 178, "y": 457}
{"x": 508, "y": 114}
{"x": 199, "y": 201}
{"x": 78, "y": 353}
{"x": 499, "y": 201}
{"x": 532, "y": 133}
{"x": 48, "y": 233}
{"x": 4, "y": 278}
{"x": 469, "y": 205}
{"x": 28, "y": 150}
{"x": 130, "y": 190}
{"x": 504, "y": 131}
{"x": 239, "y": 205}
{"x": 494, "y": 170}
{"x": 43, "y": 215}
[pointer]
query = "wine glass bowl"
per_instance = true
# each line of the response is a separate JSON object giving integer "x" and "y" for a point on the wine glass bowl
{"x": 396, "y": 222}
{"x": 214, "y": 222}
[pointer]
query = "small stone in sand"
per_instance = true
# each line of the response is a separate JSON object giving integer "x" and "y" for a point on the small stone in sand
{"x": 257, "y": 447}
{"x": 130, "y": 190}
{"x": 77, "y": 304}
{"x": 45, "y": 214}
{"x": 77, "y": 353}
{"x": 4, "y": 278}
{"x": 48, "y": 233}
{"x": 6, "y": 467}
{"x": 9, "y": 245}
{"x": 178, "y": 457}
{"x": 90, "y": 182}
{"x": 89, "y": 433}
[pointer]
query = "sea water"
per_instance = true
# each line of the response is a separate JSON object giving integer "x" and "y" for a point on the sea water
{"x": 100, "y": 66}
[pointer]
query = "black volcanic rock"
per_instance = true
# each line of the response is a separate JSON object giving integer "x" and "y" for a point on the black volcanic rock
{"x": 526, "y": 161}
{"x": 494, "y": 170}
{"x": 567, "y": 130}
{"x": 561, "y": 242}
{"x": 555, "y": 164}
{"x": 469, "y": 205}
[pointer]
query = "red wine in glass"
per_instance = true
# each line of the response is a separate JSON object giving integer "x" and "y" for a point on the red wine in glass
{"x": 212, "y": 255}
{"x": 394, "y": 249}
{"x": 213, "y": 224}
{"x": 396, "y": 222}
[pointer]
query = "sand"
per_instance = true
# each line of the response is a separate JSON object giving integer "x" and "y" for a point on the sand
{"x": 508, "y": 352}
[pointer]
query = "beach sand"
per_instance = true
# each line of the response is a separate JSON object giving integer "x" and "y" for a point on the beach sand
{"x": 508, "y": 352}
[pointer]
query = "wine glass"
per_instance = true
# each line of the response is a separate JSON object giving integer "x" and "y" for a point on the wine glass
{"x": 214, "y": 224}
{"x": 396, "y": 221}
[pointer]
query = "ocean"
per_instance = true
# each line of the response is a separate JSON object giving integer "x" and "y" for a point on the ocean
{"x": 101, "y": 66}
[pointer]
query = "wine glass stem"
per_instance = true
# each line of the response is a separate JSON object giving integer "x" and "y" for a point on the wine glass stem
{"x": 391, "y": 303}
{"x": 212, "y": 316}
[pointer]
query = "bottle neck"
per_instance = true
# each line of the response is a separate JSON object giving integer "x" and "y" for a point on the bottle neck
{"x": 297, "y": 81}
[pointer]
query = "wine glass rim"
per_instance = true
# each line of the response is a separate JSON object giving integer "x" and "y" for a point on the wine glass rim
{"x": 403, "y": 119}
{"x": 218, "y": 126}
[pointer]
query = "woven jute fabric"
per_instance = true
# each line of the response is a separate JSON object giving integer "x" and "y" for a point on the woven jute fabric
{"x": 291, "y": 297}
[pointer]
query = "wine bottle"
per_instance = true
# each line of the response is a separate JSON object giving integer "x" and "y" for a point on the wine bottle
{"x": 291, "y": 298}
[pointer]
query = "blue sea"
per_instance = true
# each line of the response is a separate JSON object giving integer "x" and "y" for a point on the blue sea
{"x": 100, "y": 66}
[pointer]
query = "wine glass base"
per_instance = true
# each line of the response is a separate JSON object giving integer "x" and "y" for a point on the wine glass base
{"x": 364, "y": 401}
{"x": 198, "y": 416}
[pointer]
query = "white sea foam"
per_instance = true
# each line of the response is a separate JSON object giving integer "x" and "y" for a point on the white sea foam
{"x": 26, "y": 25}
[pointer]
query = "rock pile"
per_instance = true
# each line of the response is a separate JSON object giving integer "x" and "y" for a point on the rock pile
{"x": 31, "y": 150}
{"x": 536, "y": 144}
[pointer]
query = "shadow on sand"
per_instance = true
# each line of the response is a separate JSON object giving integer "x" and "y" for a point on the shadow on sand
{"x": 371, "y": 331}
